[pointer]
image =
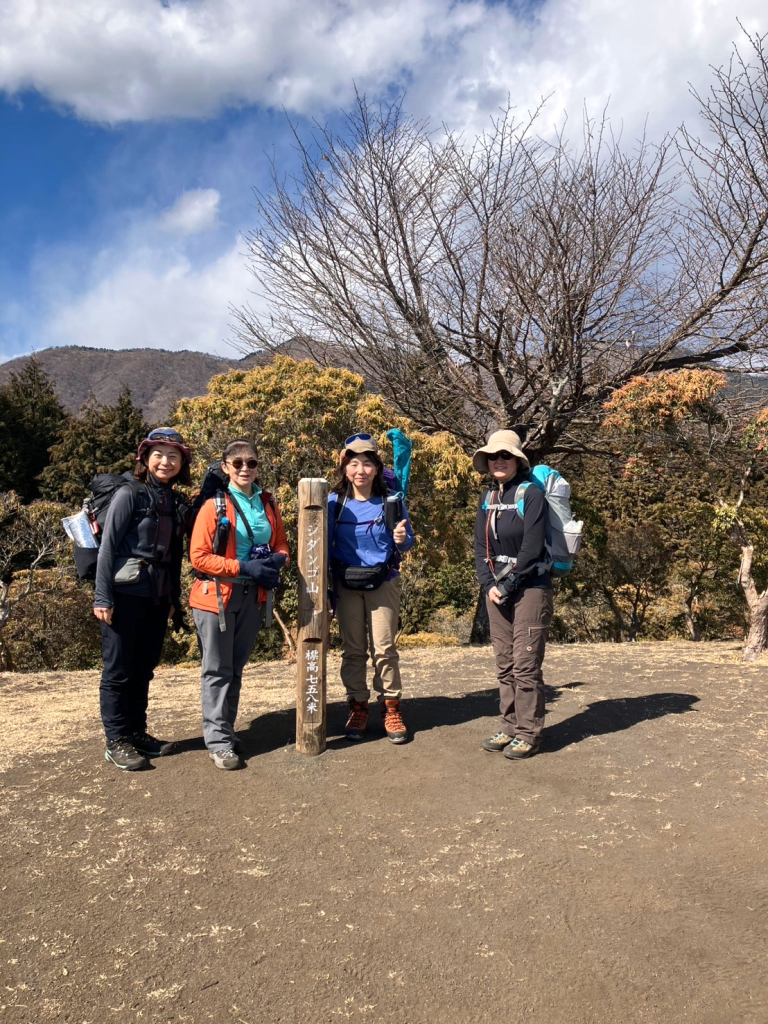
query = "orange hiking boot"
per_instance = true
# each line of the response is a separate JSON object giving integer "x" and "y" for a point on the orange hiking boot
{"x": 392, "y": 720}
{"x": 357, "y": 722}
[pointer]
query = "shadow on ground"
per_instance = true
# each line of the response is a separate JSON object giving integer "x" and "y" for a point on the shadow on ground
{"x": 278, "y": 728}
{"x": 614, "y": 715}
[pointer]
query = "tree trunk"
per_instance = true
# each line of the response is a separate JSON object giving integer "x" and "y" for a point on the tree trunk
{"x": 290, "y": 642}
{"x": 690, "y": 621}
{"x": 618, "y": 616}
{"x": 757, "y": 637}
{"x": 6, "y": 659}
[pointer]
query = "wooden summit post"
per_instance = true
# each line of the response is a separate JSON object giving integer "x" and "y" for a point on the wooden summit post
{"x": 311, "y": 713}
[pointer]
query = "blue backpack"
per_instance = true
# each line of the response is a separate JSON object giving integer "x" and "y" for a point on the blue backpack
{"x": 563, "y": 536}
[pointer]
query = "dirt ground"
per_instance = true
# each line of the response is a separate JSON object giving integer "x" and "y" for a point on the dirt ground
{"x": 620, "y": 876}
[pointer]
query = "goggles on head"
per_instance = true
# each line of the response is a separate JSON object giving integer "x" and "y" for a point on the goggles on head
{"x": 357, "y": 437}
{"x": 165, "y": 434}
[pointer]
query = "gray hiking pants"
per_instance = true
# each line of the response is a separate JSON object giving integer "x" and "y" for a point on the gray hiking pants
{"x": 519, "y": 637}
{"x": 224, "y": 656}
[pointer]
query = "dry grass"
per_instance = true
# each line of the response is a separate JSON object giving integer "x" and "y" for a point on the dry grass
{"x": 58, "y": 708}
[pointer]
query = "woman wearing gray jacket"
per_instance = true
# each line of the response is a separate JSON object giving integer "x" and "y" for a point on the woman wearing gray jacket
{"x": 510, "y": 558}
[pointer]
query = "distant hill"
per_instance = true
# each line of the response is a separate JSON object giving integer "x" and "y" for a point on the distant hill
{"x": 157, "y": 378}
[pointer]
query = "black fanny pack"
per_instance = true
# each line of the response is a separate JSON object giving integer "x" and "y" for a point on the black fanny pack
{"x": 362, "y": 577}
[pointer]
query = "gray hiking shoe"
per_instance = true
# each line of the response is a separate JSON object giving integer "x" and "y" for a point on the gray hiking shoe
{"x": 521, "y": 748}
{"x": 123, "y": 755}
{"x": 497, "y": 741}
{"x": 226, "y": 759}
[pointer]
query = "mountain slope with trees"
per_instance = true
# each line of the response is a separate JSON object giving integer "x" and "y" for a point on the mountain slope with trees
{"x": 156, "y": 379}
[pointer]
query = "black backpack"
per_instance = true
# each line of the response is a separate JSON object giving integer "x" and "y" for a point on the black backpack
{"x": 104, "y": 487}
{"x": 215, "y": 483}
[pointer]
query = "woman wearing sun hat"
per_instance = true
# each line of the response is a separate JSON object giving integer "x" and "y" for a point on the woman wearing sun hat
{"x": 364, "y": 554}
{"x": 509, "y": 552}
{"x": 138, "y": 588}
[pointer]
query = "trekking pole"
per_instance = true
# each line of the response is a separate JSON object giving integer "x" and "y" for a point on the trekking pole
{"x": 311, "y": 712}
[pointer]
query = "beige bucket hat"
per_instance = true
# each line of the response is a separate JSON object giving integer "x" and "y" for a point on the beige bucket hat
{"x": 500, "y": 441}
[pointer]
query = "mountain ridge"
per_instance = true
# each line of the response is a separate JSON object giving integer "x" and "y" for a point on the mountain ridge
{"x": 157, "y": 378}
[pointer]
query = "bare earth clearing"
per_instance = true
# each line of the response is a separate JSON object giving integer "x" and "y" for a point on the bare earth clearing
{"x": 620, "y": 876}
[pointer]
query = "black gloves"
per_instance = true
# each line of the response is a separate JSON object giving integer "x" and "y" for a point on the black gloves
{"x": 276, "y": 560}
{"x": 177, "y": 619}
{"x": 261, "y": 572}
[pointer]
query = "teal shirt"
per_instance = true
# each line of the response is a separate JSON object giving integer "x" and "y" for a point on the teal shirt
{"x": 251, "y": 509}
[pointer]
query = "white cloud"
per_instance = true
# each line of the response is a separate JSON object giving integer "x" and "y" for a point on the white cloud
{"x": 151, "y": 298}
{"x": 115, "y": 60}
{"x": 194, "y": 211}
{"x": 118, "y": 60}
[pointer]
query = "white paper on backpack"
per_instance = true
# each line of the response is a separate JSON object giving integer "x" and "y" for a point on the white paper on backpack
{"x": 78, "y": 529}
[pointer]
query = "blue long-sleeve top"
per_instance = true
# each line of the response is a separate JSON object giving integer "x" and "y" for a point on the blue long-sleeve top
{"x": 360, "y": 537}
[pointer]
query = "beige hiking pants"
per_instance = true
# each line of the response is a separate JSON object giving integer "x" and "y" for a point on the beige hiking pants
{"x": 368, "y": 622}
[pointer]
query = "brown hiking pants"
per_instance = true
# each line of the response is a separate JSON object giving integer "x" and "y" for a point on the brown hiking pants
{"x": 519, "y": 637}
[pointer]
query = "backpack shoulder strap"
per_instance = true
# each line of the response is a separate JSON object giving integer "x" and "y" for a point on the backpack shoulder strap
{"x": 220, "y": 504}
{"x": 139, "y": 490}
{"x": 339, "y": 507}
{"x": 519, "y": 502}
{"x": 246, "y": 524}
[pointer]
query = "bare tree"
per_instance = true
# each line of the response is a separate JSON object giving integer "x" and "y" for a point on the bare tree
{"x": 513, "y": 279}
{"x": 32, "y": 548}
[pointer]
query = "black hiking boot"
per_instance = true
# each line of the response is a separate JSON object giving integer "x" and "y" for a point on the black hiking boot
{"x": 124, "y": 755}
{"x": 151, "y": 747}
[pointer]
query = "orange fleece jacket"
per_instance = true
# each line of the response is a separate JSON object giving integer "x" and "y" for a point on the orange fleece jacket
{"x": 201, "y": 554}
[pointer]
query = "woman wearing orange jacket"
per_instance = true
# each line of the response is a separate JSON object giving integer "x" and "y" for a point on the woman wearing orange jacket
{"x": 237, "y": 557}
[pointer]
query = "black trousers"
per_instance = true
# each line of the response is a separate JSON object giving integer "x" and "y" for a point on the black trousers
{"x": 131, "y": 649}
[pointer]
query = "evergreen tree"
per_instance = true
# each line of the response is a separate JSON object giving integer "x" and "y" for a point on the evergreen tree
{"x": 101, "y": 439}
{"x": 31, "y": 420}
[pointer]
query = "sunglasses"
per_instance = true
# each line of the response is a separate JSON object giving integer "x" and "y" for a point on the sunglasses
{"x": 357, "y": 437}
{"x": 497, "y": 456}
{"x": 165, "y": 434}
{"x": 239, "y": 463}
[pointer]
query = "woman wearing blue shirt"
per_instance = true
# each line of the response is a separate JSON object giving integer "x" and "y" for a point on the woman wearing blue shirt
{"x": 365, "y": 555}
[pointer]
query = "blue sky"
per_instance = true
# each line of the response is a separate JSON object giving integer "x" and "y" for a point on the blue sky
{"x": 133, "y": 131}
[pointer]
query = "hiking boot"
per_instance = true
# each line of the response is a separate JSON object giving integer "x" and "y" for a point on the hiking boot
{"x": 521, "y": 748}
{"x": 498, "y": 741}
{"x": 357, "y": 722}
{"x": 226, "y": 759}
{"x": 149, "y": 746}
{"x": 392, "y": 720}
{"x": 124, "y": 755}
